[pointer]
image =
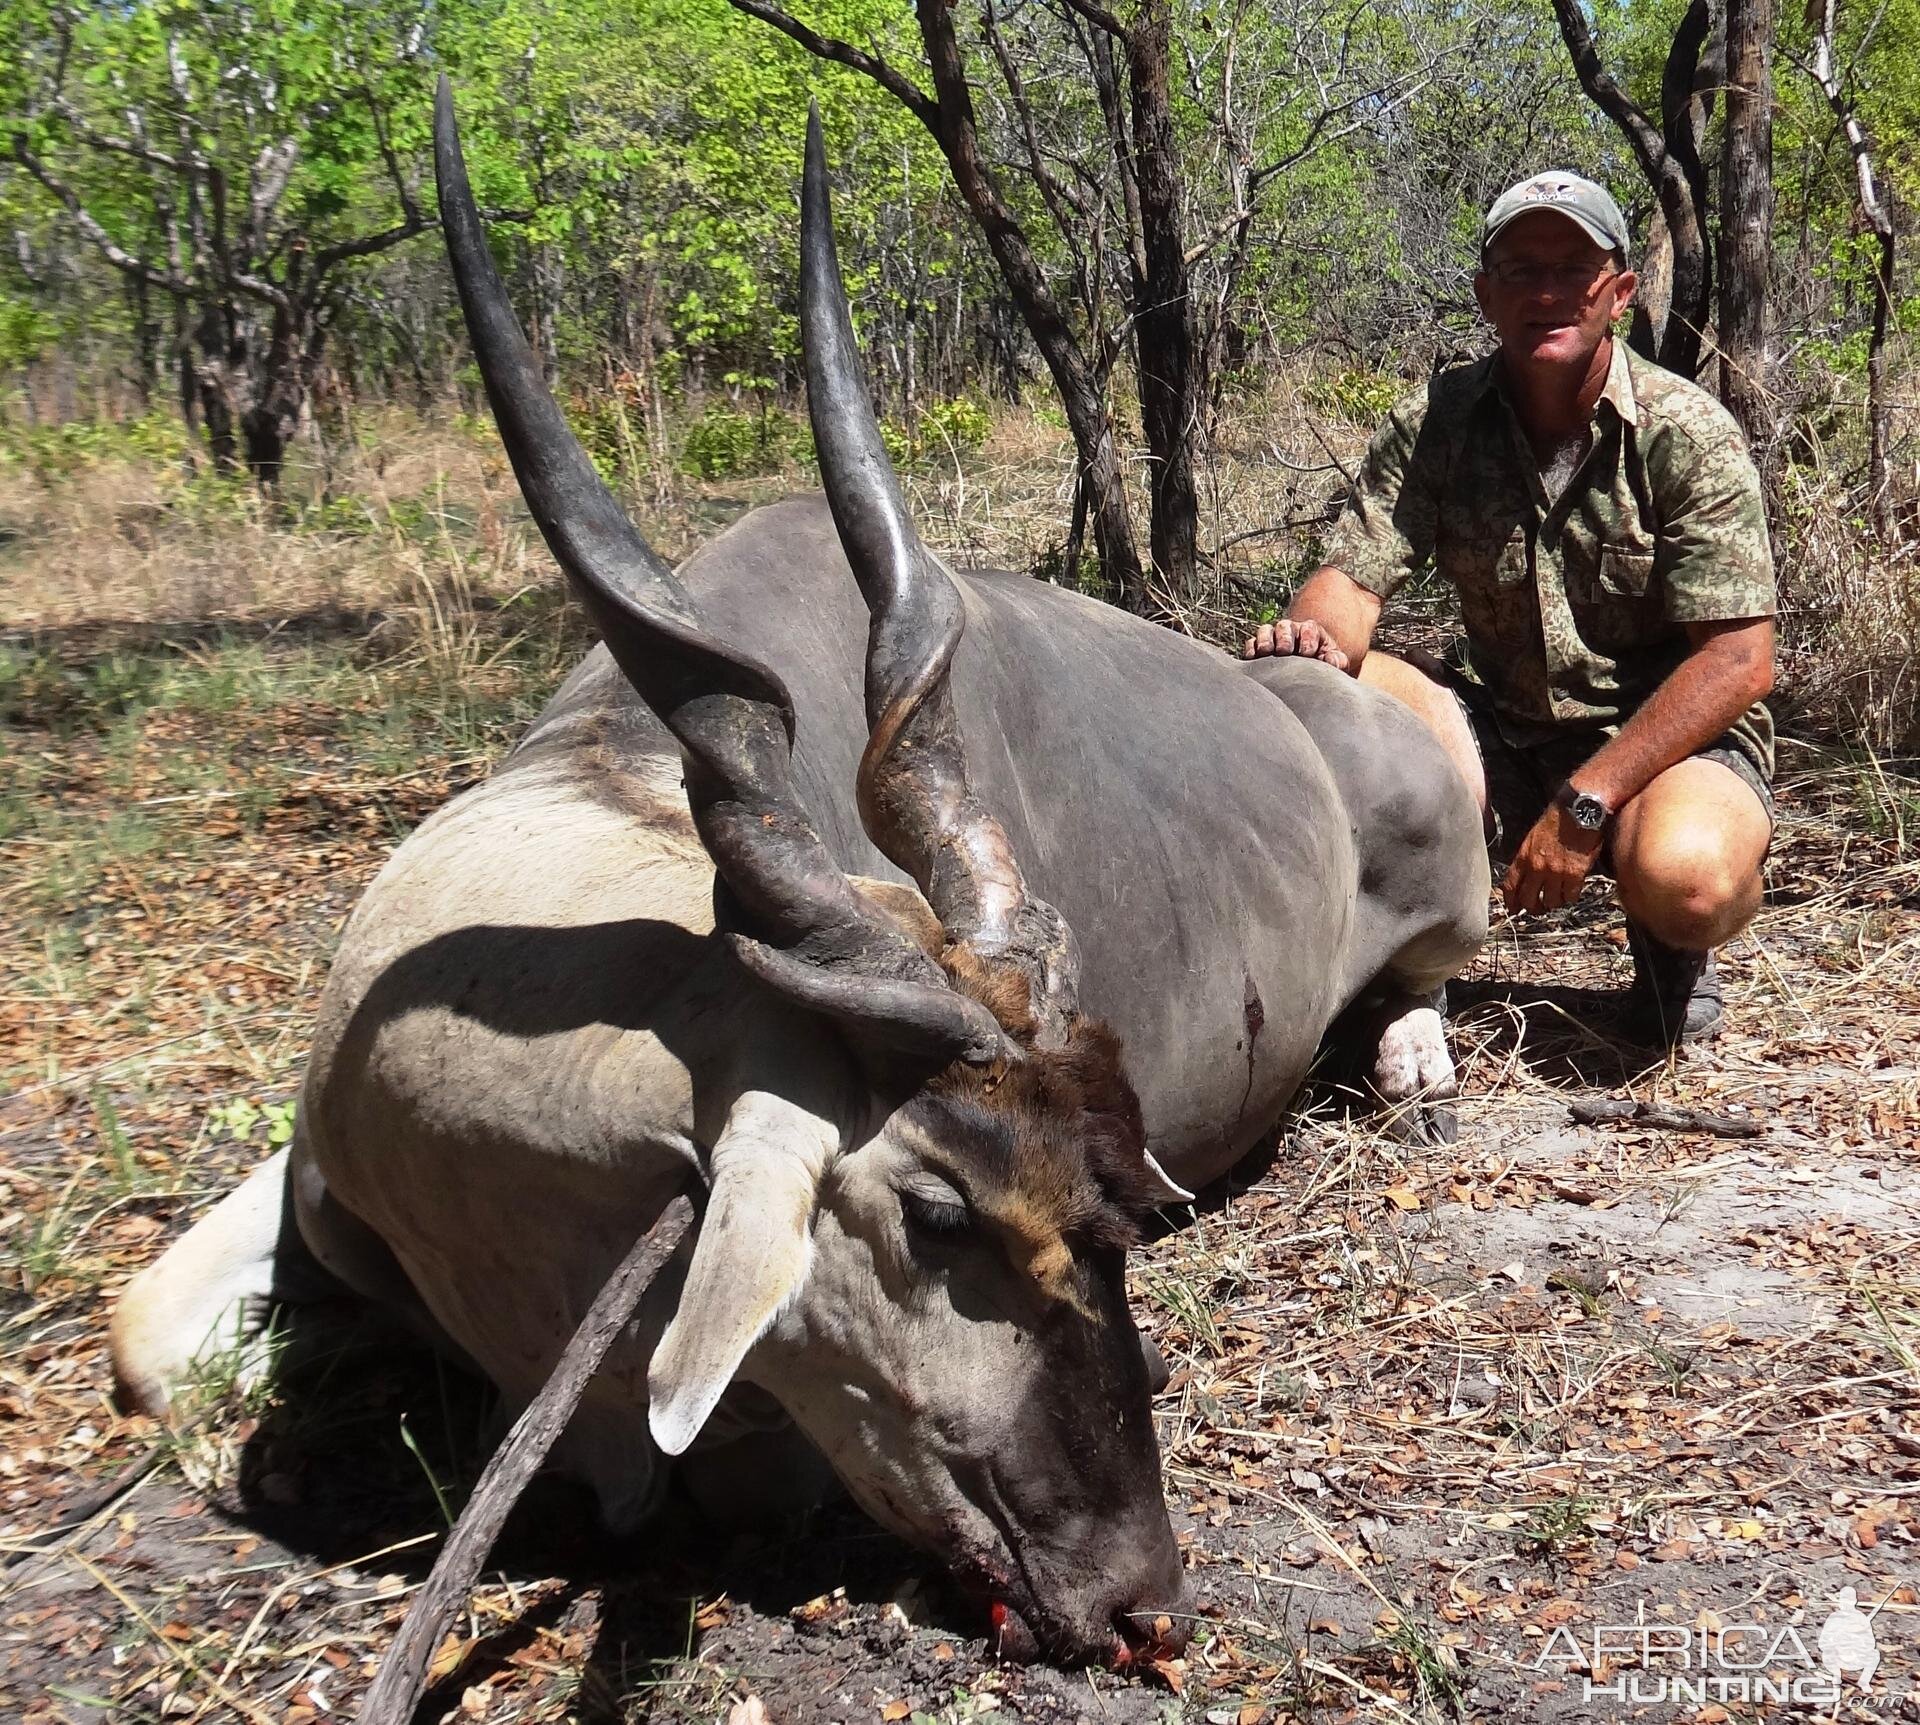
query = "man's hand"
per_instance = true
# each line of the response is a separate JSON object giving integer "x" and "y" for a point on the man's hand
{"x": 1305, "y": 638}
{"x": 1551, "y": 865}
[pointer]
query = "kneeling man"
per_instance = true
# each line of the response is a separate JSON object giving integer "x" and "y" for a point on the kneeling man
{"x": 1602, "y": 522}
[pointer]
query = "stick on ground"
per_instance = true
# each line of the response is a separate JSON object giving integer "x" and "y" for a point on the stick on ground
{"x": 1661, "y": 1118}
{"x": 403, "y": 1672}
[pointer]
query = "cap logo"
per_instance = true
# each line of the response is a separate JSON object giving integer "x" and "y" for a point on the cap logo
{"x": 1546, "y": 192}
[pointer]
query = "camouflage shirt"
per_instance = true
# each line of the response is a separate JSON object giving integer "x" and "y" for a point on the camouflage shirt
{"x": 1574, "y": 605}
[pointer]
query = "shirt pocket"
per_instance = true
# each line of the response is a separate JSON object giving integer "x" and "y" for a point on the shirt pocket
{"x": 1625, "y": 572}
{"x": 1497, "y": 601}
{"x": 1616, "y": 597}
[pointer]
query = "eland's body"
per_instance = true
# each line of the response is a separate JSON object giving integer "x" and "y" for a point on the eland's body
{"x": 554, "y": 1011}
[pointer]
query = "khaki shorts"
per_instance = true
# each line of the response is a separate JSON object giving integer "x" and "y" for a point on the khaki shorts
{"x": 1521, "y": 781}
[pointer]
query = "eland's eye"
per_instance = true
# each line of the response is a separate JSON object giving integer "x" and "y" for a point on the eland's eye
{"x": 933, "y": 1215}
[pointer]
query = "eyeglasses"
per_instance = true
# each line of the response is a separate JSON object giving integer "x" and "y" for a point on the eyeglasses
{"x": 1562, "y": 278}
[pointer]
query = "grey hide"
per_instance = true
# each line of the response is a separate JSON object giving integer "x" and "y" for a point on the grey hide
{"x": 1236, "y": 867}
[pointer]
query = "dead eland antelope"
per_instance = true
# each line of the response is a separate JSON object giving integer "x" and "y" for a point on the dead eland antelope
{"x": 932, "y": 966}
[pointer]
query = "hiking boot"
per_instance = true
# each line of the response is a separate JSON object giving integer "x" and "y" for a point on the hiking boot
{"x": 1675, "y": 997}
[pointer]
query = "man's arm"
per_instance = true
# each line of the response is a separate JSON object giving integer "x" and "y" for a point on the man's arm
{"x": 1729, "y": 668}
{"x": 1332, "y": 617}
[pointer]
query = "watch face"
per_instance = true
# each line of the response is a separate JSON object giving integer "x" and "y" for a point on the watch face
{"x": 1588, "y": 812}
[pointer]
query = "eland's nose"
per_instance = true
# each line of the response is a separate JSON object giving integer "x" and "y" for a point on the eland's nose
{"x": 1146, "y": 1635}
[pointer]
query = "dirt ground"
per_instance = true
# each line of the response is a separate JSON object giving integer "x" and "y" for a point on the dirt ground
{"x": 1438, "y": 1418}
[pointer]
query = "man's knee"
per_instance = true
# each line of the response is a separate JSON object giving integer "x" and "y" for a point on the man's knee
{"x": 1687, "y": 884}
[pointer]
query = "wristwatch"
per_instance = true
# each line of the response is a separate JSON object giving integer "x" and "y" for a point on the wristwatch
{"x": 1589, "y": 813}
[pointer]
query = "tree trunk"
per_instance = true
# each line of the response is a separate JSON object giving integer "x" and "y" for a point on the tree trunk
{"x": 281, "y": 393}
{"x": 1694, "y": 67}
{"x": 1163, "y": 309}
{"x": 1103, "y": 480}
{"x": 1746, "y": 225}
{"x": 1076, "y": 534}
{"x": 1669, "y": 159}
{"x": 1653, "y": 304}
{"x": 1081, "y": 387}
{"x": 1879, "y": 469}
{"x": 146, "y": 339}
{"x": 185, "y": 382}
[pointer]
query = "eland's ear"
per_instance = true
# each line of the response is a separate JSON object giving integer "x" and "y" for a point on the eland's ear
{"x": 749, "y": 1264}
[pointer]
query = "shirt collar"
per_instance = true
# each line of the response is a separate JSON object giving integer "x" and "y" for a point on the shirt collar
{"x": 1617, "y": 392}
{"x": 1619, "y": 388}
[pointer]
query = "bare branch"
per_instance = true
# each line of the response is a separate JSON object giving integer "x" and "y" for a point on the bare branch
{"x": 1050, "y": 188}
{"x": 369, "y": 244}
{"x": 402, "y": 190}
{"x": 1647, "y": 144}
{"x": 1106, "y": 83}
{"x": 1847, "y": 117}
{"x": 1880, "y": 219}
{"x": 1258, "y": 179}
{"x": 1072, "y": 212}
{"x": 1100, "y": 18}
{"x": 104, "y": 242}
{"x": 135, "y": 148}
{"x": 908, "y": 94}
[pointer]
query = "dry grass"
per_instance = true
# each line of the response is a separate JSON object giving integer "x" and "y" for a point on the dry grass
{"x": 145, "y": 541}
{"x": 1850, "y": 598}
{"x": 1853, "y": 615}
{"x": 409, "y": 523}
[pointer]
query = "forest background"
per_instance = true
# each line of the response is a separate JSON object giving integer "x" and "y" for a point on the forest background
{"x": 1131, "y": 287}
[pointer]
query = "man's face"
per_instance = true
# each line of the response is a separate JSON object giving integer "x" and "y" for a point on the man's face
{"x": 1550, "y": 292}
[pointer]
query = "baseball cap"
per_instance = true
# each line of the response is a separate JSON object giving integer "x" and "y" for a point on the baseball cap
{"x": 1565, "y": 194}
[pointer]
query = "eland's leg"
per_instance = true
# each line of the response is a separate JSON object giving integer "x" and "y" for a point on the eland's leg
{"x": 1401, "y": 751}
{"x": 204, "y": 1306}
{"x": 1410, "y": 1068}
{"x": 1436, "y": 707}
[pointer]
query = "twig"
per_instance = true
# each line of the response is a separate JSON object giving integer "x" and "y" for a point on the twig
{"x": 90, "y": 1505}
{"x": 1661, "y": 1117}
{"x": 403, "y": 1672}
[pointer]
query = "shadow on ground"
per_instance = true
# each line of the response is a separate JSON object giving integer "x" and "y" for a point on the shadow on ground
{"x": 369, "y": 1446}
{"x": 1563, "y": 1034}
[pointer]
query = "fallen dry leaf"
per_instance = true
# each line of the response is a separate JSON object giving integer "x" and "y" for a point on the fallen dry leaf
{"x": 448, "y": 1658}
